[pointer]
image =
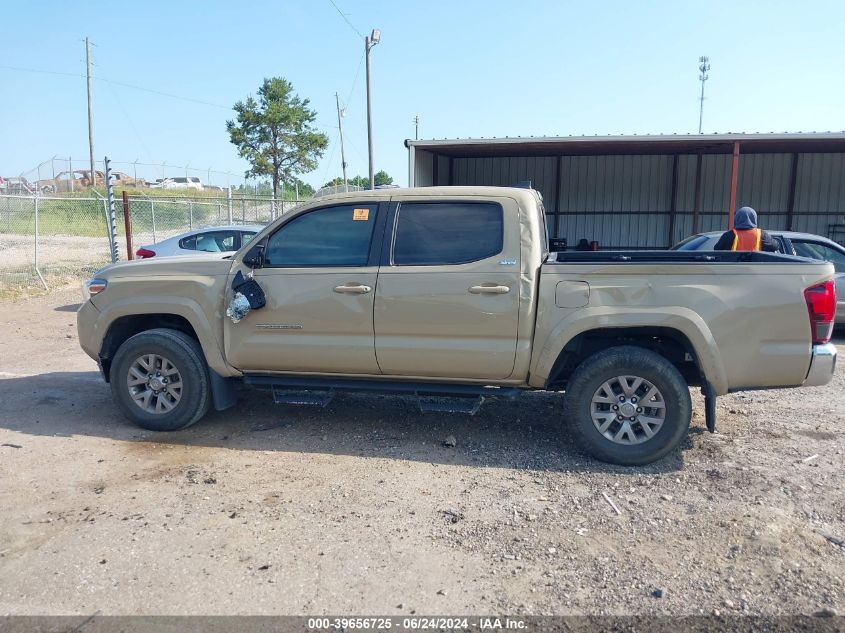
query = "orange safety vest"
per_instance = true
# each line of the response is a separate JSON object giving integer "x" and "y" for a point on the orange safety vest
{"x": 747, "y": 240}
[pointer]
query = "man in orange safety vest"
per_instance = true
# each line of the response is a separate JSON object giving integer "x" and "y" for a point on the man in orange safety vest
{"x": 746, "y": 236}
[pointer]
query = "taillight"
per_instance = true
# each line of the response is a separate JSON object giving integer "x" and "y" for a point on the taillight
{"x": 144, "y": 253}
{"x": 821, "y": 306}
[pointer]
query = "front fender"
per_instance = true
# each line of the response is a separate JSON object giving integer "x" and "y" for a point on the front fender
{"x": 184, "y": 307}
{"x": 684, "y": 320}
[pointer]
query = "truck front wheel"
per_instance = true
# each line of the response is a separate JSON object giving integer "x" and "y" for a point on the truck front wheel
{"x": 629, "y": 405}
{"x": 159, "y": 379}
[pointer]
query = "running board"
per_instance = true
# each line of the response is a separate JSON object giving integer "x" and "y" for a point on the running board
{"x": 438, "y": 397}
{"x": 316, "y": 397}
{"x": 429, "y": 403}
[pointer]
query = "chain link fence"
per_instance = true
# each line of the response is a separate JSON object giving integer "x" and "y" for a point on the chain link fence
{"x": 49, "y": 241}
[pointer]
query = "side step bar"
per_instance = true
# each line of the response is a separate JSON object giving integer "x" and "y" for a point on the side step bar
{"x": 447, "y": 397}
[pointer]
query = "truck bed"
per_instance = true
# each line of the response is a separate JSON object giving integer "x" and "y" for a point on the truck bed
{"x": 743, "y": 313}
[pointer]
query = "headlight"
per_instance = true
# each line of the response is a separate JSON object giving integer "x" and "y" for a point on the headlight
{"x": 91, "y": 287}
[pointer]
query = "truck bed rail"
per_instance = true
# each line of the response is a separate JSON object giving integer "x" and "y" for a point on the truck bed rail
{"x": 674, "y": 257}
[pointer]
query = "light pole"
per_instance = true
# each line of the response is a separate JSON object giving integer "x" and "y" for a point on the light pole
{"x": 369, "y": 42}
{"x": 704, "y": 66}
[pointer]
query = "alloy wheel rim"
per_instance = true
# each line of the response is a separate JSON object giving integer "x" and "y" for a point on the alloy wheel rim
{"x": 154, "y": 383}
{"x": 628, "y": 410}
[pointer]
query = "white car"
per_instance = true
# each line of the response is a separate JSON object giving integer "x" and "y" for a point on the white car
{"x": 211, "y": 239}
{"x": 190, "y": 182}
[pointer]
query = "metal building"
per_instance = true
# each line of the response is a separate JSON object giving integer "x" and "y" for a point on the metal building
{"x": 653, "y": 191}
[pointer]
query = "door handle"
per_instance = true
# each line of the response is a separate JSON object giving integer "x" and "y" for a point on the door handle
{"x": 353, "y": 289}
{"x": 492, "y": 289}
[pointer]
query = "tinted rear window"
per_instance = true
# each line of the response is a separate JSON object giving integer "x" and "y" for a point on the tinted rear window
{"x": 447, "y": 233}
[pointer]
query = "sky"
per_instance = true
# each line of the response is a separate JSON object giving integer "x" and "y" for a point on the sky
{"x": 167, "y": 74}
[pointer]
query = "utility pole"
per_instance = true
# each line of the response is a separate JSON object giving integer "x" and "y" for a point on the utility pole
{"x": 90, "y": 114}
{"x": 704, "y": 66}
{"x": 417, "y": 127}
{"x": 369, "y": 42}
{"x": 340, "y": 114}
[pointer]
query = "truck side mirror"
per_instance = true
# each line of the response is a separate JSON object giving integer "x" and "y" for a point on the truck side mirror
{"x": 254, "y": 257}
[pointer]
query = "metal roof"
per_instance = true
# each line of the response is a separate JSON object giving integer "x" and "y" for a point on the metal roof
{"x": 635, "y": 144}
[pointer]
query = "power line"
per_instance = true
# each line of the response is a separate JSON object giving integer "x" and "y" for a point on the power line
{"x": 355, "y": 80}
{"x": 116, "y": 83}
{"x": 43, "y": 72}
{"x": 345, "y": 19}
{"x": 163, "y": 94}
{"x": 129, "y": 119}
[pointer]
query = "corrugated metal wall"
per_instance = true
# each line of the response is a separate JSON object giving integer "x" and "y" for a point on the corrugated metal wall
{"x": 626, "y": 201}
{"x": 819, "y": 192}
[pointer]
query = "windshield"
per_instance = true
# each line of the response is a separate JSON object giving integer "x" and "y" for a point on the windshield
{"x": 692, "y": 243}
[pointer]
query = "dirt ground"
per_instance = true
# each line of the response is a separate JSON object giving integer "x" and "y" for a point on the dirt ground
{"x": 360, "y": 508}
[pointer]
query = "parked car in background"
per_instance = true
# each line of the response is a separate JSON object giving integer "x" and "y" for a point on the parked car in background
{"x": 791, "y": 243}
{"x": 189, "y": 182}
{"x": 18, "y": 186}
{"x": 212, "y": 239}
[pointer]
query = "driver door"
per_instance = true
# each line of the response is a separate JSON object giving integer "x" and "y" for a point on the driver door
{"x": 319, "y": 278}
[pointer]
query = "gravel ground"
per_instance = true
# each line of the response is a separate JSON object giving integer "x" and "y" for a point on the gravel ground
{"x": 360, "y": 508}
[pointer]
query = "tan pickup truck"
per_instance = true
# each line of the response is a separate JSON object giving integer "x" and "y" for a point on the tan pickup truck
{"x": 451, "y": 292}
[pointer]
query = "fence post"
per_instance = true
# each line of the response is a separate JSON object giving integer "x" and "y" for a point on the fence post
{"x": 127, "y": 225}
{"x": 40, "y": 276}
{"x": 243, "y": 211}
{"x": 273, "y": 207}
{"x": 153, "y": 213}
{"x": 191, "y": 215}
{"x": 110, "y": 216}
{"x": 229, "y": 202}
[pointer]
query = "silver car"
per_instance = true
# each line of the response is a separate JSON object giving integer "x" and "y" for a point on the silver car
{"x": 789, "y": 242}
{"x": 211, "y": 239}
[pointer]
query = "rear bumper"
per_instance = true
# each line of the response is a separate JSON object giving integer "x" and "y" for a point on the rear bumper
{"x": 822, "y": 365}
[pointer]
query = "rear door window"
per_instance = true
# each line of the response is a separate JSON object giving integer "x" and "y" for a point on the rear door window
{"x": 210, "y": 242}
{"x": 447, "y": 233}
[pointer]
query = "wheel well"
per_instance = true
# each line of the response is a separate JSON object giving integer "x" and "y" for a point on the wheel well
{"x": 673, "y": 345}
{"x": 126, "y": 327}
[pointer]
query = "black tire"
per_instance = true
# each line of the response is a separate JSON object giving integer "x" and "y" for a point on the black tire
{"x": 626, "y": 361}
{"x": 186, "y": 355}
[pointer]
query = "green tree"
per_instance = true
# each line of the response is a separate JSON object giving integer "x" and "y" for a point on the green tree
{"x": 336, "y": 182}
{"x": 382, "y": 178}
{"x": 275, "y": 133}
{"x": 305, "y": 190}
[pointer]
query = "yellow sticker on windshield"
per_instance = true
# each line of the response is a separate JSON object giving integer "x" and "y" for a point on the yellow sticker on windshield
{"x": 361, "y": 214}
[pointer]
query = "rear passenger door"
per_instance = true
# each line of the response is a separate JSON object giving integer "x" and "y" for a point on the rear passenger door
{"x": 447, "y": 300}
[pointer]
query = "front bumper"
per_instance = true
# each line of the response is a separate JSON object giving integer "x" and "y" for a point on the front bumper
{"x": 86, "y": 320}
{"x": 822, "y": 365}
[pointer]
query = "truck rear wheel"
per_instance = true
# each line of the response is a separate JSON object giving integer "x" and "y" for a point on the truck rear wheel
{"x": 159, "y": 379}
{"x": 629, "y": 405}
